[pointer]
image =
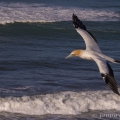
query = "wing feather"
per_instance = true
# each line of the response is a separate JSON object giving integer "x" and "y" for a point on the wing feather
{"x": 111, "y": 82}
{"x": 90, "y": 41}
{"x": 107, "y": 74}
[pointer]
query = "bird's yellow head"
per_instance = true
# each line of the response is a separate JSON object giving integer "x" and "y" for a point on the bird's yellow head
{"x": 76, "y": 53}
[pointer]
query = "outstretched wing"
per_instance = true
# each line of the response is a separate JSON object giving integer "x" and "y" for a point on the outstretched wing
{"x": 90, "y": 41}
{"x": 107, "y": 74}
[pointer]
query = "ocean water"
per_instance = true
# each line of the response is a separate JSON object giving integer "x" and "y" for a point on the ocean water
{"x": 36, "y": 81}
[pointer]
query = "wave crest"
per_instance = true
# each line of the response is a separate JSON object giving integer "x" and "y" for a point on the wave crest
{"x": 23, "y": 12}
{"x": 61, "y": 103}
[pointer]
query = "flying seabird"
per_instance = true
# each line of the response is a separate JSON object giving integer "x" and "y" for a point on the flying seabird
{"x": 94, "y": 53}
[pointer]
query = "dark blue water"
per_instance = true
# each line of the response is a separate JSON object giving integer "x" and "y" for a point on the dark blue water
{"x": 35, "y": 38}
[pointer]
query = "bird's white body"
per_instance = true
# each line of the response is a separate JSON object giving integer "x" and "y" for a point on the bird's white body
{"x": 97, "y": 57}
{"x": 86, "y": 54}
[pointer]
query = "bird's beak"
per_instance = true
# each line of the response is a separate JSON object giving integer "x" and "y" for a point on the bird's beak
{"x": 69, "y": 56}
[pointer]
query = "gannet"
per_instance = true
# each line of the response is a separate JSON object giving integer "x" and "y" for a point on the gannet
{"x": 93, "y": 52}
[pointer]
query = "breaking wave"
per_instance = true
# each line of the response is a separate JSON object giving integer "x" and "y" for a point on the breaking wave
{"x": 23, "y": 12}
{"x": 61, "y": 103}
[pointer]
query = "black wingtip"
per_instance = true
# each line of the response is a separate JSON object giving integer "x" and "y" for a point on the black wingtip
{"x": 77, "y": 23}
{"x": 111, "y": 82}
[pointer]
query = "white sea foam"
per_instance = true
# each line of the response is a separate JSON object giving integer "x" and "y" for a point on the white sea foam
{"x": 23, "y": 12}
{"x": 61, "y": 103}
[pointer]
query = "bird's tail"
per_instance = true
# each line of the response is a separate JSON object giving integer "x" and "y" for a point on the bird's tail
{"x": 117, "y": 61}
{"x": 109, "y": 58}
